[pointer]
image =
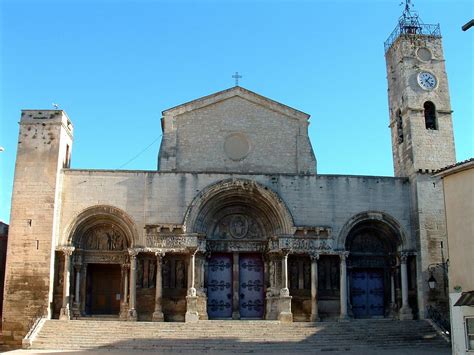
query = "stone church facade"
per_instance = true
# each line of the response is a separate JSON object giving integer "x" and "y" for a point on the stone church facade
{"x": 236, "y": 223}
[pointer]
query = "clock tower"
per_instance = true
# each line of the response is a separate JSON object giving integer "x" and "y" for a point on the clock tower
{"x": 422, "y": 142}
{"x": 418, "y": 96}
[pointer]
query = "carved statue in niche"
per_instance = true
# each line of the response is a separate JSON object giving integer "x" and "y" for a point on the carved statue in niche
{"x": 237, "y": 226}
{"x": 151, "y": 273}
{"x": 271, "y": 273}
{"x": 166, "y": 273}
{"x": 307, "y": 275}
{"x": 139, "y": 273}
{"x": 294, "y": 274}
{"x": 104, "y": 237}
{"x": 180, "y": 274}
{"x": 334, "y": 274}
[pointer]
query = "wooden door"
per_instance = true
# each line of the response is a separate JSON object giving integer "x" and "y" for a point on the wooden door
{"x": 219, "y": 286}
{"x": 103, "y": 288}
{"x": 367, "y": 293}
{"x": 251, "y": 285}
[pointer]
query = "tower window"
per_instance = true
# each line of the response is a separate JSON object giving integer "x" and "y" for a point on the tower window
{"x": 399, "y": 126}
{"x": 430, "y": 115}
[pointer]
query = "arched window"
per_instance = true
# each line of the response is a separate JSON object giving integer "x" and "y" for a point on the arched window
{"x": 430, "y": 115}
{"x": 399, "y": 126}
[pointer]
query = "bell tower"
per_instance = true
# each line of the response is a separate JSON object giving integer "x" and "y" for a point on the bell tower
{"x": 418, "y": 96}
{"x": 422, "y": 142}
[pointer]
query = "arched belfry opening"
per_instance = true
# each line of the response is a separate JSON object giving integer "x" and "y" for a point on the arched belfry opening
{"x": 238, "y": 219}
{"x": 380, "y": 273}
{"x": 94, "y": 263}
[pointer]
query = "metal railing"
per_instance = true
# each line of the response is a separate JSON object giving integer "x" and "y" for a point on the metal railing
{"x": 439, "y": 319}
{"x": 412, "y": 30}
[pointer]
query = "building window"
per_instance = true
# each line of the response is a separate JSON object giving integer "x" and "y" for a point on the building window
{"x": 430, "y": 115}
{"x": 470, "y": 333}
{"x": 399, "y": 126}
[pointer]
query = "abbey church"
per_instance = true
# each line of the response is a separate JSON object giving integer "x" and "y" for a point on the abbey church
{"x": 236, "y": 223}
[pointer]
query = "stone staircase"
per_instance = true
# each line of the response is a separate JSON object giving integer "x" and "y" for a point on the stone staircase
{"x": 238, "y": 336}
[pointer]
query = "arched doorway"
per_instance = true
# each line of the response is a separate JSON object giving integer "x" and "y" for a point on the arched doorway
{"x": 238, "y": 217}
{"x": 100, "y": 237}
{"x": 372, "y": 246}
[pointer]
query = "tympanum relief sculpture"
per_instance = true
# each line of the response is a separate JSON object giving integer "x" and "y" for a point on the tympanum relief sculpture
{"x": 104, "y": 237}
{"x": 237, "y": 227}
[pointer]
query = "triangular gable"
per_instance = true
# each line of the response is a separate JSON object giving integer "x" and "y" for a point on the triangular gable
{"x": 232, "y": 92}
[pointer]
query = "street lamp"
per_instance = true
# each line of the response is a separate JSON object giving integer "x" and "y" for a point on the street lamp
{"x": 432, "y": 282}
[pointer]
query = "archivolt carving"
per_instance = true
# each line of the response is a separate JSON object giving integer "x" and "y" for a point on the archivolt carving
{"x": 99, "y": 220}
{"x": 239, "y": 192}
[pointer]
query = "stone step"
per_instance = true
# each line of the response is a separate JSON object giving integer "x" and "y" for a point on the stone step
{"x": 236, "y": 336}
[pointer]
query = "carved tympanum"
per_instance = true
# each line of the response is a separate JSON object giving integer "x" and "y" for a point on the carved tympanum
{"x": 237, "y": 226}
{"x": 104, "y": 237}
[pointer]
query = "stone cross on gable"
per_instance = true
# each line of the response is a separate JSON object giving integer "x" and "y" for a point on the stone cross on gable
{"x": 236, "y": 76}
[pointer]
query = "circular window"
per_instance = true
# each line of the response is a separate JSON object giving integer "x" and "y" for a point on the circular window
{"x": 424, "y": 54}
{"x": 236, "y": 146}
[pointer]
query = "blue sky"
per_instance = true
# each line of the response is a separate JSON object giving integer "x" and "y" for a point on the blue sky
{"x": 113, "y": 66}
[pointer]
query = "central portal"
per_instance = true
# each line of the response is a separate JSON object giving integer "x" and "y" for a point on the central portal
{"x": 103, "y": 289}
{"x": 235, "y": 285}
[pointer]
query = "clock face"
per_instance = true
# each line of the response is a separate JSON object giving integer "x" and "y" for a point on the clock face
{"x": 426, "y": 80}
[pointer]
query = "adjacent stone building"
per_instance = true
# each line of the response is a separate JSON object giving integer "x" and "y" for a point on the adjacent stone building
{"x": 236, "y": 223}
{"x": 458, "y": 183}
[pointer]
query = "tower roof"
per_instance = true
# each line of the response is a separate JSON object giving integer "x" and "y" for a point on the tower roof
{"x": 410, "y": 25}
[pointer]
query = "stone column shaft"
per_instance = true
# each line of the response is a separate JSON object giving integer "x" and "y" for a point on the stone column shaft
{"x": 78, "y": 285}
{"x": 158, "y": 313}
{"x": 343, "y": 287}
{"x": 65, "y": 311}
{"x": 405, "y": 311}
{"x": 132, "y": 312}
{"x": 284, "y": 308}
{"x": 192, "y": 314}
{"x": 284, "y": 275}
{"x": 314, "y": 287}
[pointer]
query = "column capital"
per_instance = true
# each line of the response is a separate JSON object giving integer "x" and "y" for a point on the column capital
{"x": 67, "y": 250}
{"x": 314, "y": 256}
{"x": 343, "y": 255}
{"x": 403, "y": 257}
{"x": 125, "y": 267}
{"x": 133, "y": 253}
{"x": 192, "y": 250}
{"x": 285, "y": 252}
{"x": 160, "y": 254}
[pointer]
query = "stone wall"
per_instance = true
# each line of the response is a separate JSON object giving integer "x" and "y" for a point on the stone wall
{"x": 163, "y": 198}
{"x": 44, "y": 147}
{"x": 236, "y": 131}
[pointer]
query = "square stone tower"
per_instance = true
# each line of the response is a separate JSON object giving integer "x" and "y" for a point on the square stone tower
{"x": 422, "y": 139}
{"x": 44, "y": 148}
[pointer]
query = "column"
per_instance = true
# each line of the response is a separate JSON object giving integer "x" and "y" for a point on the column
{"x": 284, "y": 275}
{"x": 284, "y": 311}
{"x": 343, "y": 286}
{"x": 124, "y": 302}
{"x": 405, "y": 312}
{"x": 235, "y": 286}
{"x": 65, "y": 311}
{"x": 77, "y": 287}
{"x": 314, "y": 287}
{"x": 132, "y": 312}
{"x": 392, "y": 294}
{"x": 158, "y": 313}
{"x": 192, "y": 314}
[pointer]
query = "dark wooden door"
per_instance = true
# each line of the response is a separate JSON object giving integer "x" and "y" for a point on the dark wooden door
{"x": 251, "y": 297}
{"x": 367, "y": 293}
{"x": 103, "y": 288}
{"x": 219, "y": 286}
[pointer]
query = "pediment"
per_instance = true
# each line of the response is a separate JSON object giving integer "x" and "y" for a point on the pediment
{"x": 236, "y": 91}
